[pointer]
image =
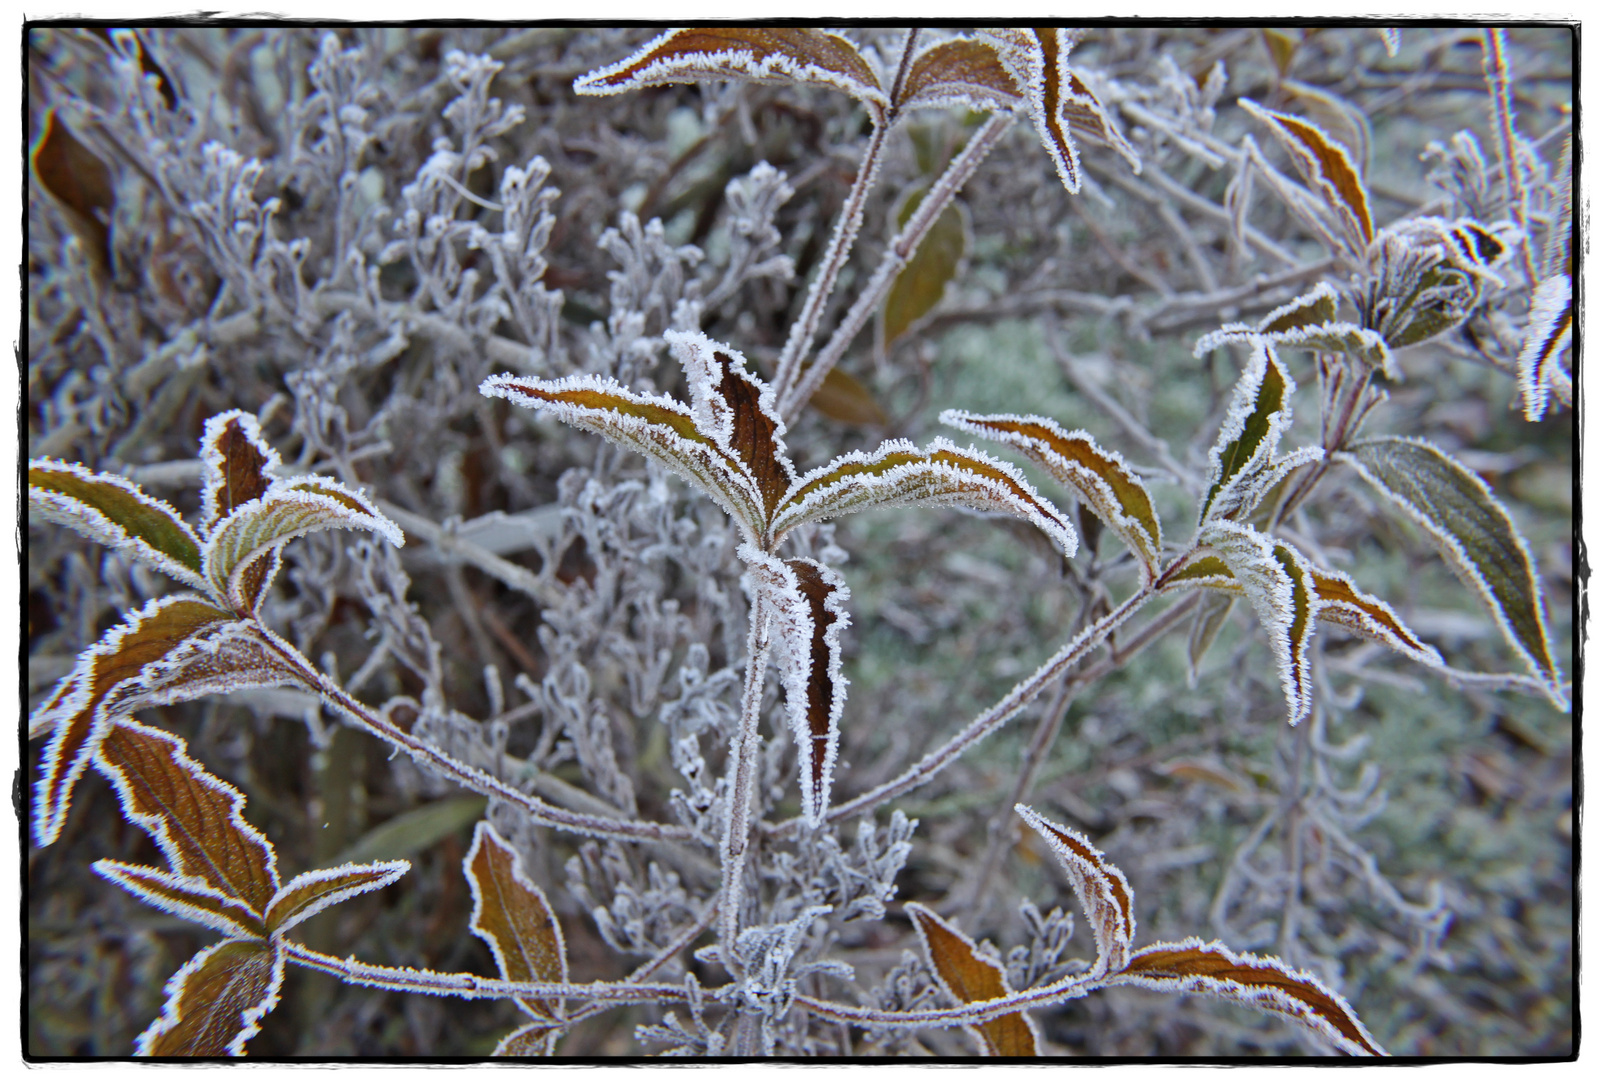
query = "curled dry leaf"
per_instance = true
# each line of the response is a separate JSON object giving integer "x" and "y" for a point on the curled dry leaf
{"x": 969, "y": 975}
{"x": 1278, "y": 582}
{"x": 1196, "y": 967}
{"x": 787, "y": 54}
{"x": 807, "y": 601}
{"x": 1475, "y": 534}
{"x": 1101, "y": 888}
{"x": 1099, "y": 477}
{"x": 514, "y": 919}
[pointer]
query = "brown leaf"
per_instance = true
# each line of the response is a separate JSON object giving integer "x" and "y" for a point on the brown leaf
{"x": 514, "y": 919}
{"x": 147, "y": 62}
{"x": 1549, "y": 334}
{"x": 962, "y": 72}
{"x": 739, "y": 412}
{"x": 807, "y": 601}
{"x": 842, "y": 397}
{"x": 920, "y": 285}
{"x": 186, "y": 897}
{"x": 77, "y": 710}
{"x": 1101, "y": 888}
{"x": 786, "y": 54}
{"x": 1193, "y": 966}
{"x": 216, "y": 1001}
{"x": 80, "y": 183}
{"x": 1339, "y": 601}
{"x": 195, "y": 819}
{"x": 968, "y": 976}
{"x": 316, "y": 890}
{"x": 533, "y": 1039}
{"x": 1088, "y": 115}
{"x": 235, "y": 465}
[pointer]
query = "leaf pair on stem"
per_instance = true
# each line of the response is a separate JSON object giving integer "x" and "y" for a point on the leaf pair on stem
{"x": 188, "y": 645}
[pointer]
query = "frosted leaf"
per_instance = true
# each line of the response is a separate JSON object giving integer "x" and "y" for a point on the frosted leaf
{"x": 111, "y": 510}
{"x": 512, "y": 916}
{"x": 781, "y": 54}
{"x": 964, "y": 72}
{"x": 1037, "y": 61}
{"x": 236, "y": 465}
{"x": 969, "y": 974}
{"x": 1339, "y": 601}
{"x": 1244, "y": 462}
{"x": 318, "y": 890}
{"x": 1265, "y": 982}
{"x": 1100, "y": 477}
{"x": 1327, "y": 167}
{"x": 1549, "y": 335}
{"x": 1101, "y": 888}
{"x": 1278, "y": 582}
{"x": 806, "y": 601}
{"x": 188, "y": 898}
{"x": 899, "y": 474}
{"x": 215, "y": 1002}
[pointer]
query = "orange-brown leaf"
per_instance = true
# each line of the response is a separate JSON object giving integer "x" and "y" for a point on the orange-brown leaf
{"x": 80, "y": 183}
{"x": 1339, "y": 601}
{"x": 235, "y": 464}
{"x": 920, "y": 285}
{"x": 514, "y": 919}
{"x": 195, "y": 819}
{"x": 969, "y": 975}
{"x": 1102, "y": 890}
{"x": 77, "y": 710}
{"x": 1197, "y": 967}
{"x": 216, "y": 1001}
{"x": 960, "y": 72}
{"x": 316, "y": 890}
{"x": 842, "y": 397}
{"x": 187, "y": 898}
{"x": 1326, "y": 166}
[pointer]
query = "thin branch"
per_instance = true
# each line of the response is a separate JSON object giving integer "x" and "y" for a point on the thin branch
{"x": 742, "y": 755}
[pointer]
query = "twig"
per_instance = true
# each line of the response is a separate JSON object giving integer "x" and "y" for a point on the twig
{"x": 742, "y": 755}
{"x": 1498, "y": 76}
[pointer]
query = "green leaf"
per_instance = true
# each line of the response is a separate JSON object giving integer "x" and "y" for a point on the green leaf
{"x": 920, "y": 285}
{"x": 1473, "y": 532}
{"x": 111, "y": 510}
{"x": 415, "y": 831}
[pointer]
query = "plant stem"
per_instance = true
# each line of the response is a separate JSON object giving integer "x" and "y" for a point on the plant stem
{"x": 736, "y": 838}
{"x": 543, "y": 813}
{"x": 899, "y": 251}
{"x": 1498, "y": 77}
{"x": 992, "y": 718}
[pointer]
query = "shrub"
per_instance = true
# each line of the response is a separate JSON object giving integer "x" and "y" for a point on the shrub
{"x": 446, "y": 606}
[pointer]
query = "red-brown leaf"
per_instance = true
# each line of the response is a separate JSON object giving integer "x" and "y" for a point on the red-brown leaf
{"x": 1102, "y": 889}
{"x": 216, "y": 1001}
{"x": 80, "y": 183}
{"x": 514, "y": 919}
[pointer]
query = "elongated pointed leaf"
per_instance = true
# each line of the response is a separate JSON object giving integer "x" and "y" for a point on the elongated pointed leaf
{"x": 317, "y": 890}
{"x": 514, "y": 919}
{"x": 1313, "y": 309}
{"x": 785, "y": 54}
{"x": 1550, "y": 333}
{"x": 77, "y": 711}
{"x": 1101, "y": 888}
{"x": 1084, "y": 109}
{"x": 1197, "y": 967}
{"x": 533, "y": 1039}
{"x": 1278, "y": 582}
{"x": 737, "y": 411}
{"x": 288, "y": 509}
{"x": 1037, "y": 60}
{"x": 195, "y": 819}
{"x": 899, "y": 474}
{"x": 1308, "y": 322}
{"x": 1474, "y": 533}
{"x": 216, "y": 1001}
{"x": 969, "y": 975}
{"x": 1244, "y": 462}
{"x": 187, "y": 898}
{"x": 1201, "y": 571}
{"x": 1339, "y": 601}
{"x": 1327, "y": 167}
{"x": 658, "y": 427}
{"x": 235, "y": 465}
{"x": 1099, "y": 477}
{"x": 80, "y": 183}
{"x": 807, "y": 601}
{"x": 961, "y": 72}
{"x": 111, "y": 510}
{"x": 920, "y": 285}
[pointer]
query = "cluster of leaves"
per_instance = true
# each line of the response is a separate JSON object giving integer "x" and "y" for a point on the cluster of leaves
{"x": 622, "y": 585}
